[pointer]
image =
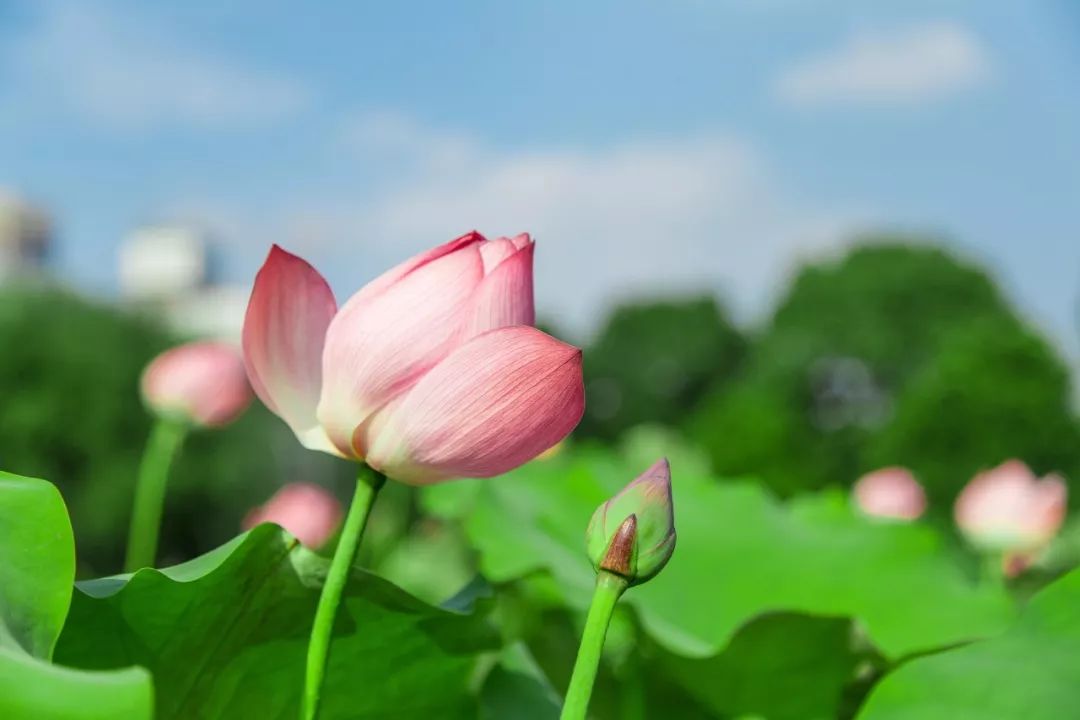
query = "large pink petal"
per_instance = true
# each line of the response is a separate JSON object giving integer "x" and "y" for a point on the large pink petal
{"x": 382, "y": 342}
{"x": 496, "y": 402}
{"x": 505, "y": 296}
{"x": 285, "y": 327}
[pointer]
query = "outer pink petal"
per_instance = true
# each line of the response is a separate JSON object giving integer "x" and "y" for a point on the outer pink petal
{"x": 285, "y": 327}
{"x": 494, "y": 403}
{"x": 204, "y": 381}
{"x": 383, "y": 341}
{"x": 505, "y": 296}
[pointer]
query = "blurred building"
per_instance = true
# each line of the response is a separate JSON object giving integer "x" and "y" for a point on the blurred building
{"x": 162, "y": 261}
{"x": 171, "y": 270}
{"x": 25, "y": 235}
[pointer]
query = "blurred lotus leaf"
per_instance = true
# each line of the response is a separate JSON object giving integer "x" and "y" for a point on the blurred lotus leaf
{"x": 741, "y": 554}
{"x": 225, "y": 636}
{"x": 37, "y": 567}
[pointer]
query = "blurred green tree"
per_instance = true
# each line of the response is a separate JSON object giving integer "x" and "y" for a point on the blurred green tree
{"x": 831, "y": 373}
{"x": 652, "y": 360}
{"x": 70, "y": 412}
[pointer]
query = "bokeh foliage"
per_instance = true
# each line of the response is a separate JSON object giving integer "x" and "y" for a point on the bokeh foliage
{"x": 768, "y": 609}
{"x": 652, "y": 360}
{"x": 780, "y": 601}
{"x": 892, "y": 353}
{"x": 69, "y": 378}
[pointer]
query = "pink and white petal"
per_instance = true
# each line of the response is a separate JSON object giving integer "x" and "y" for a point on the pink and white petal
{"x": 290, "y": 309}
{"x": 505, "y": 296}
{"x": 496, "y": 402}
{"x": 497, "y": 250}
{"x": 378, "y": 348}
{"x": 521, "y": 240}
{"x": 494, "y": 252}
{"x": 372, "y": 289}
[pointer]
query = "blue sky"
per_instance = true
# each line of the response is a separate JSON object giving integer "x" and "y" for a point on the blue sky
{"x": 650, "y": 146}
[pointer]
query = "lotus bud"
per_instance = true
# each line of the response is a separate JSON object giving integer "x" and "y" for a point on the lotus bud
{"x": 310, "y": 513}
{"x": 200, "y": 382}
{"x": 892, "y": 493}
{"x": 1009, "y": 509}
{"x": 633, "y": 533}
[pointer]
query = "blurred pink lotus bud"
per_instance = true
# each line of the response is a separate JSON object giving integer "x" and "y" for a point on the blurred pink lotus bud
{"x": 431, "y": 371}
{"x": 202, "y": 382}
{"x": 310, "y": 513}
{"x": 891, "y": 492}
{"x": 1009, "y": 509}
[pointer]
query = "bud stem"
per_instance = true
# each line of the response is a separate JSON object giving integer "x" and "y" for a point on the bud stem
{"x": 368, "y": 485}
{"x": 609, "y": 588}
{"x": 162, "y": 447}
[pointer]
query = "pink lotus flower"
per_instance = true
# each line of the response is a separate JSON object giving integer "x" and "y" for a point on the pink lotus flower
{"x": 431, "y": 371}
{"x": 310, "y": 513}
{"x": 891, "y": 492}
{"x": 203, "y": 382}
{"x": 1009, "y": 509}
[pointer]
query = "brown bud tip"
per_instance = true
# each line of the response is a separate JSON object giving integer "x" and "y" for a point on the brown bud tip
{"x": 619, "y": 558}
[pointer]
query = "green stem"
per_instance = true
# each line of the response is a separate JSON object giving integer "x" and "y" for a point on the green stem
{"x": 367, "y": 487}
{"x": 609, "y": 587}
{"x": 164, "y": 443}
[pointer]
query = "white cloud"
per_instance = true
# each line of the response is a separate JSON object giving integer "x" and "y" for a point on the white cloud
{"x": 907, "y": 66}
{"x": 654, "y": 216}
{"x": 387, "y": 135}
{"x": 127, "y": 72}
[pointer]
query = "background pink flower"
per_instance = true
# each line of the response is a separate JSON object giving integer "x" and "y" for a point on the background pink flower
{"x": 891, "y": 492}
{"x": 1009, "y": 508}
{"x": 204, "y": 382}
{"x": 309, "y": 512}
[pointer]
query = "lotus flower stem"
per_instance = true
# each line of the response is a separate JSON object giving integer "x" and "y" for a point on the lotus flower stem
{"x": 368, "y": 485}
{"x": 164, "y": 444}
{"x": 609, "y": 588}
